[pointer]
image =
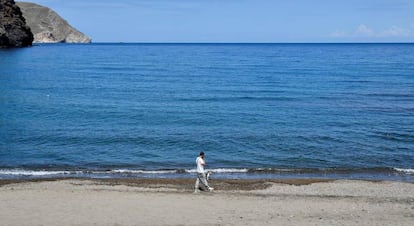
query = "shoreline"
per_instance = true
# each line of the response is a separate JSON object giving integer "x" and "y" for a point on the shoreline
{"x": 374, "y": 174}
{"x": 73, "y": 201}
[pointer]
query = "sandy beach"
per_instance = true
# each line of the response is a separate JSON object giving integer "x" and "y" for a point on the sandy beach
{"x": 235, "y": 202}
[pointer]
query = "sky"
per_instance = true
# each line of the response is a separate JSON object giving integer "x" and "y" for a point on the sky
{"x": 250, "y": 21}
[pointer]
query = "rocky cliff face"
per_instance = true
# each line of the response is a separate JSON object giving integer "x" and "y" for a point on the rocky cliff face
{"x": 48, "y": 27}
{"x": 13, "y": 29}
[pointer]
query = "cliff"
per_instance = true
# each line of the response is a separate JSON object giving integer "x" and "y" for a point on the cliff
{"x": 48, "y": 27}
{"x": 13, "y": 29}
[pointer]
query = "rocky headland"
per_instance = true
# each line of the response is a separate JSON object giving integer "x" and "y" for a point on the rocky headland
{"x": 13, "y": 29}
{"x": 48, "y": 27}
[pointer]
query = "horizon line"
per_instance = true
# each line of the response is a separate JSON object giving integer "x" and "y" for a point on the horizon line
{"x": 121, "y": 42}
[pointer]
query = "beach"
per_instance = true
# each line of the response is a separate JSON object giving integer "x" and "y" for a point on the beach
{"x": 234, "y": 202}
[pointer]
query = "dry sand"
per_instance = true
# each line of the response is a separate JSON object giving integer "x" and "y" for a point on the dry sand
{"x": 235, "y": 202}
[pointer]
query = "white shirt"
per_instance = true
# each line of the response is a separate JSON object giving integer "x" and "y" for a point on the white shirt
{"x": 200, "y": 164}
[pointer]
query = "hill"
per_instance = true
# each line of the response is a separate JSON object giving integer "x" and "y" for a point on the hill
{"x": 48, "y": 27}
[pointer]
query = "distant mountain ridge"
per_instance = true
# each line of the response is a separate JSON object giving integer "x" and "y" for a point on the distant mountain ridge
{"x": 48, "y": 27}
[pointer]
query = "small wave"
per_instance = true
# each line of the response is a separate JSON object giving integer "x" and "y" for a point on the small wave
{"x": 320, "y": 170}
{"x": 222, "y": 170}
{"x": 128, "y": 171}
{"x": 18, "y": 172}
{"x": 407, "y": 171}
{"x": 40, "y": 173}
{"x": 230, "y": 170}
{"x": 175, "y": 171}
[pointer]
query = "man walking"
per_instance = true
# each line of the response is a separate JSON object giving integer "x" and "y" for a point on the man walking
{"x": 201, "y": 175}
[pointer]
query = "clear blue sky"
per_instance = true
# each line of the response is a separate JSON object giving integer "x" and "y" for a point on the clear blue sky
{"x": 239, "y": 20}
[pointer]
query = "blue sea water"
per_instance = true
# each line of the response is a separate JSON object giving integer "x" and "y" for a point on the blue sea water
{"x": 256, "y": 110}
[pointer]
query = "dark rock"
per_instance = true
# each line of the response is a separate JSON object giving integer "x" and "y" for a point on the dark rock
{"x": 13, "y": 29}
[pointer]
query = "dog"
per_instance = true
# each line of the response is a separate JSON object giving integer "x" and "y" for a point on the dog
{"x": 208, "y": 174}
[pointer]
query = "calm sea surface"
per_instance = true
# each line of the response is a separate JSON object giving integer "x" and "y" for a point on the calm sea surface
{"x": 257, "y": 110}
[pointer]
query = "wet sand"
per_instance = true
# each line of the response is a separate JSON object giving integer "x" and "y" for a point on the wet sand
{"x": 234, "y": 202}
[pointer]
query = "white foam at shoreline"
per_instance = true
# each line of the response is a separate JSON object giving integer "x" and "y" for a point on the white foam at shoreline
{"x": 23, "y": 172}
{"x": 143, "y": 171}
{"x": 407, "y": 171}
{"x": 221, "y": 170}
{"x": 177, "y": 171}
{"x": 16, "y": 172}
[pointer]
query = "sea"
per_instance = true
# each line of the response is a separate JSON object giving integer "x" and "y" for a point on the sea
{"x": 258, "y": 111}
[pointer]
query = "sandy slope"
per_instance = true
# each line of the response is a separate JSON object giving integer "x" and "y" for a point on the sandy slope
{"x": 171, "y": 202}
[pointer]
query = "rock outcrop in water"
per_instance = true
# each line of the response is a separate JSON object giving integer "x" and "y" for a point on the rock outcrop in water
{"x": 13, "y": 29}
{"x": 48, "y": 27}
